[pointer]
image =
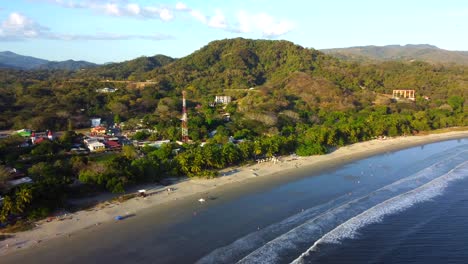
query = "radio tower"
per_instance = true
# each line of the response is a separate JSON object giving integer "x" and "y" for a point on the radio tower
{"x": 184, "y": 120}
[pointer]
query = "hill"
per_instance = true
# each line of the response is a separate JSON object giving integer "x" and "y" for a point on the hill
{"x": 69, "y": 65}
{"x": 16, "y": 61}
{"x": 427, "y": 53}
{"x": 12, "y": 60}
{"x": 237, "y": 63}
{"x": 132, "y": 69}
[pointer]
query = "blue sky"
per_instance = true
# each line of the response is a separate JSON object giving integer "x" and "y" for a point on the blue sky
{"x": 116, "y": 30}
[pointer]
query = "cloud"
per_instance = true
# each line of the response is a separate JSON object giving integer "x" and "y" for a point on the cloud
{"x": 18, "y": 27}
{"x": 118, "y": 8}
{"x": 242, "y": 22}
{"x": 264, "y": 23}
{"x": 181, "y": 6}
{"x": 218, "y": 20}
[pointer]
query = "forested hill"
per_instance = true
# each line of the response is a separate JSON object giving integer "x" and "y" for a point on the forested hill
{"x": 11, "y": 60}
{"x": 239, "y": 63}
{"x": 269, "y": 80}
{"x": 69, "y": 65}
{"x": 424, "y": 52}
{"x": 135, "y": 69}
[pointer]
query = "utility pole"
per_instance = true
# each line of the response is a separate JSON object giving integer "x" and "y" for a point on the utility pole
{"x": 184, "y": 119}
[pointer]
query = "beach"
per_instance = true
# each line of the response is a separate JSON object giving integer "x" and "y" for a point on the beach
{"x": 70, "y": 224}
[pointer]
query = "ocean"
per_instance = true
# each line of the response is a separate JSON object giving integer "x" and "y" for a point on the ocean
{"x": 407, "y": 206}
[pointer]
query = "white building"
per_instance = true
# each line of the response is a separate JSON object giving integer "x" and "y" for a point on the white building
{"x": 95, "y": 122}
{"x": 222, "y": 99}
{"x": 96, "y": 146}
{"x": 106, "y": 90}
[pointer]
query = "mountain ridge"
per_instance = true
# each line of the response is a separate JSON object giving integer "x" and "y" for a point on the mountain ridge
{"x": 423, "y": 52}
{"x": 9, "y": 59}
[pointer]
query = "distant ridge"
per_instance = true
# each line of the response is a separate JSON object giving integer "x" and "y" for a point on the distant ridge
{"x": 422, "y": 52}
{"x": 12, "y": 60}
{"x": 16, "y": 61}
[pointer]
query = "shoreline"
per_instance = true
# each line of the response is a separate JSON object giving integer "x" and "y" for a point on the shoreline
{"x": 104, "y": 213}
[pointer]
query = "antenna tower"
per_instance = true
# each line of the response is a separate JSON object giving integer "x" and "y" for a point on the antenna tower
{"x": 184, "y": 119}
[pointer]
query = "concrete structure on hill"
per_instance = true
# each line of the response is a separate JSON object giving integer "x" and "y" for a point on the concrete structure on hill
{"x": 222, "y": 99}
{"x": 404, "y": 94}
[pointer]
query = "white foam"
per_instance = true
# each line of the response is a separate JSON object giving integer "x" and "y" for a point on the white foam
{"x": 391, "y": 206}
{"x": 310, "y": 225}
{"x": 315, "y": 228}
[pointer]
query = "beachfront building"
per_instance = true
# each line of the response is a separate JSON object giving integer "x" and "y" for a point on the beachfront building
{"x": 404, "y": 94}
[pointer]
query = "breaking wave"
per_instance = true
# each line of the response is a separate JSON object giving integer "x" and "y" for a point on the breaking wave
{"x": 394, "y": 205}
{"x": 338, "y": 219}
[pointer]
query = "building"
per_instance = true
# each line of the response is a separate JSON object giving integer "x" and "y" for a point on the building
{"x": 99, "y": 130}
{"x": 404, "y": 94}
{"x": 39, "y": 137}
{"x": 222, "y": 99}
{"x": 95, "y": 121}
{"x": 106, "y": 90}
{"x": 96, "y": 146}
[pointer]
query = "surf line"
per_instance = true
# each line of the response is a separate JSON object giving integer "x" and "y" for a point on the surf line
{"x": 318, "y": 216}
{"x": 394, "y": 205}
{"x": 273, "y": 251}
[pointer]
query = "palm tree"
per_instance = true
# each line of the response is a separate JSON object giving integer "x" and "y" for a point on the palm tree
{"x": 23, "y": 199}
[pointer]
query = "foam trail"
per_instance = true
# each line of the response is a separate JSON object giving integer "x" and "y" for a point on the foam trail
{"x": 312, "y": 230}
{"x": 244, "y": 245}
{"x": 394, "y": 205}
{"x": 252, "y": 241}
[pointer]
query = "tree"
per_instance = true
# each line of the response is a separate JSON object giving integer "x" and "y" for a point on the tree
{"x": 456, "y": 102}
{"x": 4, "y": 177}
{"x": 23, "y": 198}
{"x": 8, "y": 208}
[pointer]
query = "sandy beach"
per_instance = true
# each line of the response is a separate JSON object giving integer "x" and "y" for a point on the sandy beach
{"x": 104, "y": 213}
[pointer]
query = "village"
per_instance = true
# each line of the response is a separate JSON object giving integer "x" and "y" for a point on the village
{"x": 101, "y": 139}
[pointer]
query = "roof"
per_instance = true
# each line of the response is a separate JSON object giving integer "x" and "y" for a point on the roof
{"x": 96, "y": 144}
{"x": 112, "y": 144}
{"x": 40, "y": 140}
{"x": 20, "y": 181}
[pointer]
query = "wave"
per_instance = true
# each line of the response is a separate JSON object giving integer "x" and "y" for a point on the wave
{"x": 268, "y": 245}
{"x": 394, "y": 205}
{"x": 277, "y": 249}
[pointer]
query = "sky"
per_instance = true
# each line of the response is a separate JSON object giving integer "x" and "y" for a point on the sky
{"x": 103, "y": 31}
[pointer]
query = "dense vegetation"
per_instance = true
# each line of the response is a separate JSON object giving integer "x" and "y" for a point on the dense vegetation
{"x": 286, "y": 99}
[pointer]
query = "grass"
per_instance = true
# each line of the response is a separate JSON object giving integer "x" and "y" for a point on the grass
{"x": 124, "y": 197}
{"x": 103, "y": 157}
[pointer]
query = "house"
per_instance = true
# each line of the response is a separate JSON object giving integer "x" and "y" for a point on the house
{"x": 113, "y": 145}
{"x": 20, "y": 181}
{"x": 404, "y": 94}
{"x": 106, "y": 90}
{"x": 96, "y": 146}
{"x": 39, "y": 137}
{"x": 222, "y": 99}
{"x": 95, "y": 121}
{"x": 98, "y": 130}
